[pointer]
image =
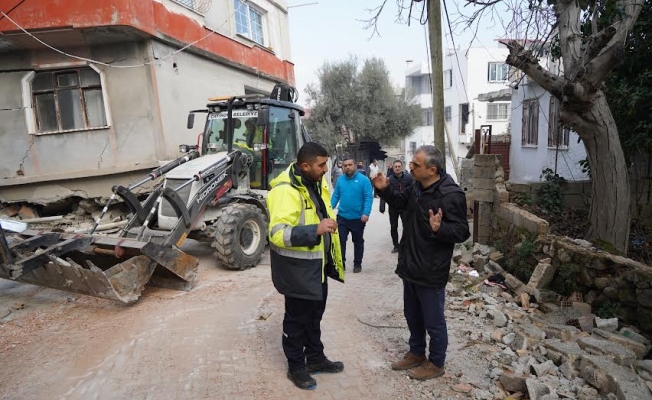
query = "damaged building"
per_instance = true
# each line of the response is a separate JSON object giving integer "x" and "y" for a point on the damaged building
{"x": 95, "y": 94}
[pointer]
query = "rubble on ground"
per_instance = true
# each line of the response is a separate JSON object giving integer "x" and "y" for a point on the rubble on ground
{"x": 547, "y": 346}
{"x": 76, "y": 217}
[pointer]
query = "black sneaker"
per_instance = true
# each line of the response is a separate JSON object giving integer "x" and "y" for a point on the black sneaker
{"x": 357, "y": 268}
{"x": 326, "y": 366}
{"x": 302, "y": 379}
{"x": 395, "y": 249}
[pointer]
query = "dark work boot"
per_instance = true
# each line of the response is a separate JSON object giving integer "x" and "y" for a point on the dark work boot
{"x": 357, "y": 268}
{"x": 327, "y": 366}
{"x": 302, "y": 379}
{"x": 395, "y": 249}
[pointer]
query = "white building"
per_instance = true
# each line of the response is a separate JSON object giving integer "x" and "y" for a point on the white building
{"x": 538, "y": 140}
{"x": 466, "y": 78}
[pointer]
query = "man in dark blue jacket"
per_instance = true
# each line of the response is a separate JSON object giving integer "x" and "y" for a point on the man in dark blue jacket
{"x": 399, "y": 180}
{"x": 435, "y": 219}
{"x": 355, "y": 196}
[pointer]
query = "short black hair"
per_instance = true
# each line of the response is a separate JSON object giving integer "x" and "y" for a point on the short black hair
{"x": 397, "y": 161}
{"x": 310, "y": 151}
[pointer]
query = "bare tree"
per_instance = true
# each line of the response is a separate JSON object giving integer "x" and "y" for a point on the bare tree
{"x": 587, "y": 59}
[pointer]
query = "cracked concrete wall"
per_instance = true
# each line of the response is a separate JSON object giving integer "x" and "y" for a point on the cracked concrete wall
{"x": 132, "y": 141}
{"x": 185, "y": 82}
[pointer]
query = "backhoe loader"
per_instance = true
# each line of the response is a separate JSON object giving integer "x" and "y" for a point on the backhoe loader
{"x": 213, "y": 193}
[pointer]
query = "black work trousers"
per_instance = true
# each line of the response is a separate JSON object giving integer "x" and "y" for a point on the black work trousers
{"x": 394, "y": 213}
{"x": 302, "y": 331}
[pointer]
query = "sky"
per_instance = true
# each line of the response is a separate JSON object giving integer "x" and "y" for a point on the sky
{"x": 332, "y": 30}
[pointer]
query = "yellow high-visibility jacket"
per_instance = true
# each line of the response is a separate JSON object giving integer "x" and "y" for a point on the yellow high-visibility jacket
{"x": 299, "y": 262}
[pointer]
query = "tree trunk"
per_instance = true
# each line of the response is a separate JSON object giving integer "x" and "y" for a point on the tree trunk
{"x": 610, "y": 194}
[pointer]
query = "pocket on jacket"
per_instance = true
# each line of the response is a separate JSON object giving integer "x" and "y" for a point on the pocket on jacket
{"x": 298, "y": 278}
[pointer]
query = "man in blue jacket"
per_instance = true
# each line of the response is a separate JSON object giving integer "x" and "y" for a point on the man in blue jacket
{"x": 355, "y": 196}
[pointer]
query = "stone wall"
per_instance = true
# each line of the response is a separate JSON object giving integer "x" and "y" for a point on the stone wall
{"x": 605, "y": 280}
{"x": 577, "y": 194}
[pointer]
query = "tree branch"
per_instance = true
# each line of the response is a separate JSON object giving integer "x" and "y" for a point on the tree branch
{"x": 600, "y": 67}
{"x": 570, "y": 38}
{"x": 524, "y": 60}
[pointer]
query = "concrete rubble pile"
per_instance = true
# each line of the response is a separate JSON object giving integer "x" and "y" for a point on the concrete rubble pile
{"x": 78, "y": 217}
{"x": 547, "y": 346}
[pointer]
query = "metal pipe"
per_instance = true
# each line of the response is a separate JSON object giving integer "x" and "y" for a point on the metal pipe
{"x": 42, "y": 219}
{"x": 104, "y": 227}
{"x": 152, "y": 175}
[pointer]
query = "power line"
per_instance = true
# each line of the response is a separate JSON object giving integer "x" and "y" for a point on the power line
{"x": 212, "y": 32}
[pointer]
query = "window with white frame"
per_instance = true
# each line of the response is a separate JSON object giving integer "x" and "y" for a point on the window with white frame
{"x": 497, "y": 72}
{"x": 497, "y": 111}
{"x": 249, "y": 21}
{"x": 68, "y": 99}
{"x": 530, "y": 129}
{"x": 558, "y": 135}
{"x": 448, "y": 78}
{"x": 447, "y": 113}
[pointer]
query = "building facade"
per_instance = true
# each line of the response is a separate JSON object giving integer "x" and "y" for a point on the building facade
{"x": 538, "y": 140}
{"x": 466, "y": 78}
{"x": 96, "y": 93}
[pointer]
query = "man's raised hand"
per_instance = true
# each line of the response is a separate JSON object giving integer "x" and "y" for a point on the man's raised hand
{"x": 380, "y": 181}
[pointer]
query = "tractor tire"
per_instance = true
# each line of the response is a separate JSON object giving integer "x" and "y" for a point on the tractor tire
{"x": 240, "y": 236}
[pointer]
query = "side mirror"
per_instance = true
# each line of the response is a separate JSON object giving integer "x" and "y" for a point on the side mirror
{"x": 191, "y": 121}
{"x": 263, "y": 117}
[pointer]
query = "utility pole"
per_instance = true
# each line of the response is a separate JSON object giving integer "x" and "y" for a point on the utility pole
{"x": 436, "y": 62}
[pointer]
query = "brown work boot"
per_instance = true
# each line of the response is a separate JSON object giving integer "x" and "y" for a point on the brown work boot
{"x": 426, "y": 371}
{"x": 408, "y": 361}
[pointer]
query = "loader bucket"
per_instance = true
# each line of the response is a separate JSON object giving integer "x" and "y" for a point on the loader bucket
{"x": 112, "y": 268}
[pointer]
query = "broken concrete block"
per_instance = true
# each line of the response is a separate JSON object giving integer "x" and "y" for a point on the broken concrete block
{"x": 531, "y": 331}
{"x": 500, "y": 320}
{"x": 457, "y": 254}
{"x": 497, "y": 335}
{"x": 514, "y": 284}
{"x": 562, "y": 352}
{"x": 509, "y": 338}
{"x": 548, "y": 307}
{"x": 496, "y": 256}
{"x": 542, "y": 276}
{"x": 644, "y": 369}
{"x": 482, "y": 249}
{"x": 514, "y": 382}
{"x": 584, "y": 308}
{"x": 568, "y": 371}
{"x": 635, "y": 336}
{"x": 563, "y": 332}
{"x": 639, "y": 349}
{"x": 543, "y": 369}
{"x": 607, "y": 324}
{"x": 608, "y": 377}
{"x": 587, "y": 393}
{"x": 462, "y": 388}
{"x": 536, "y": 390}
{"x": 545, "y": 295}
{"x": 619, "y": 354}
{"x": 479, "y": 262}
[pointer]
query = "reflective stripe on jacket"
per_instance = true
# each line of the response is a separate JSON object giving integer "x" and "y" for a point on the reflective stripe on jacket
{"x": 299, "y": 265}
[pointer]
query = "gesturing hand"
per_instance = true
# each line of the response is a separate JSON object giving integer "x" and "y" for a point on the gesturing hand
{"x": 364, "y": 219}
{"x": 380, "y": 182}
{"x": 435, "y": 220}
{"x": 326, "y": 225}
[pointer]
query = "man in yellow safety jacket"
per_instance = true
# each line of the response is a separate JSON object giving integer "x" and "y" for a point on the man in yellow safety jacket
{"x": 305, "y": 250}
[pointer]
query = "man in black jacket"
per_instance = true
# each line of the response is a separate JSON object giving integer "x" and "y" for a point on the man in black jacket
{"x": 399, "y": 180}
{"x": 435, "y": 219}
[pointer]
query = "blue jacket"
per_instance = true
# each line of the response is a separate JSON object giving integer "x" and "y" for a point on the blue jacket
{"x": 354, "y": 195}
